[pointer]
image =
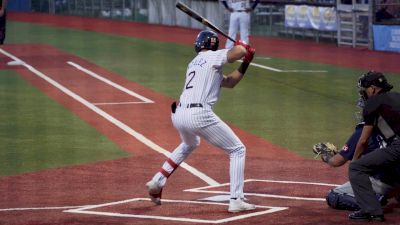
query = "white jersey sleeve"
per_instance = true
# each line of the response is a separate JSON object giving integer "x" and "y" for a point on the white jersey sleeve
{"x": 204, "y": 77}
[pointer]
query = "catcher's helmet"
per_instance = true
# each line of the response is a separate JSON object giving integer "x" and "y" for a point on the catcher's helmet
{"x": 376, "y": 79}
{"x": 206, "y": 40}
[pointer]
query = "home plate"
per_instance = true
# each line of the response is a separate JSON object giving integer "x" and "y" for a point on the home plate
{"x": 217, "y": 198}
{"x": 15, "y": 63}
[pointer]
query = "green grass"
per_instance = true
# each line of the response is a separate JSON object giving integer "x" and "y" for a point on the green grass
{"x": 293, "y": 110}
{"x": 37, "y": 133}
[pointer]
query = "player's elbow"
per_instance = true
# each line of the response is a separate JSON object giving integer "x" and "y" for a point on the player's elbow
{"x": 228, "y": 82}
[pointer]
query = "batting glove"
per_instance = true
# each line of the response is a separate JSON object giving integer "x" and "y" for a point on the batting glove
{"x": 242, "y": 43}
{"x": 249, "y": 55}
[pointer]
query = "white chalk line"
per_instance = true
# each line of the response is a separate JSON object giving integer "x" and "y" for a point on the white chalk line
{"x": 113, "y": 120}
{"x": 89, "y": 210}
{"x": 109, "y": 82}
{"x": 203, "y": 189}
{"x": 284, "y": 71}
{"x": 43, "y": 208}
{"x": 119, "y": 103}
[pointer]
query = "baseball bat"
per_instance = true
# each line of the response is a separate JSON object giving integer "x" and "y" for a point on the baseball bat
{"x": 184, "y": 8}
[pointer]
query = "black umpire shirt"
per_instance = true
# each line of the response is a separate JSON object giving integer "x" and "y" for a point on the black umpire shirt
{"x": 383, "y": 112}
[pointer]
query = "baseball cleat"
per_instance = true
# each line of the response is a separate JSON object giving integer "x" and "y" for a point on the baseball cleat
{"x": 238, "y": 205}
{"x": 154, "y": 192}
{"x": 362, "y": 216}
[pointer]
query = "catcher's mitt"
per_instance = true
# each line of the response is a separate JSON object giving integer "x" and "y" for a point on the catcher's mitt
{"x": 325, "y": 150}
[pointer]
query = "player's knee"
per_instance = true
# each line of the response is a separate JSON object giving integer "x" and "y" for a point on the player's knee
{"x": 190, "y": 147}
{"x": 238, "y": 151}
{"x": 341, "y": 201}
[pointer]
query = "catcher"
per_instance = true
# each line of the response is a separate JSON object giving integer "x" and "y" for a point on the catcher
{"x": 342, "y": 197}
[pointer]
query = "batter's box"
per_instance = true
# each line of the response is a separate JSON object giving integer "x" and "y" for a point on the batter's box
{"x": 272, "y": 189}
{"x": 173, "y": 210}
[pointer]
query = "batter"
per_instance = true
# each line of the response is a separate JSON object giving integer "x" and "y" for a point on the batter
{"x": 193, "y": 117}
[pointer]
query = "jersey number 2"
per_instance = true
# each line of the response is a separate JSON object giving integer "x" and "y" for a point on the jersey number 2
{"x": 191, "y": 75}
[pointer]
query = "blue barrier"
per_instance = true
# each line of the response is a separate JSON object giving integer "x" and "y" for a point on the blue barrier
{"x": 19, "y": 5}
{"x": 386, "y": 37}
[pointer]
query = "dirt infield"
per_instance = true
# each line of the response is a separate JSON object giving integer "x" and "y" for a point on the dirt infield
{"x": 283, "y": 185}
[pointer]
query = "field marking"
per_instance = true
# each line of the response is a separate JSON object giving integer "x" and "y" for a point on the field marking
{"x": 260, "y": 57}
{"x": 112, "y": 119}
{"x": 304, "y": 71}
{"x": 291, "y": 182}
{"x": 119, "y": 103}
{"x": 203, "y": 189}
{"x": 43, "y": 208}
{"x": 89, "y": 210}
{"x": 285, "y": 71}
{"x": 109, "y": 82}
{"x": 265, "y": 67}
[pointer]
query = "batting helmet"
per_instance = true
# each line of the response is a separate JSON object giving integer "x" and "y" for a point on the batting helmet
{"x": 206, "y": 40}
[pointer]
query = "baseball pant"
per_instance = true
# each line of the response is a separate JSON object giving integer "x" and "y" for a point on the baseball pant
{"x": 360, "y": 170}
{"x": 196, "y": 123}
{"x": 378, "y": 186}
{"x": 239, "y": 21}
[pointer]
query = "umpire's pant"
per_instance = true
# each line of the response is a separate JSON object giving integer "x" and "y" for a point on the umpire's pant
{"x": 359, "y": 171}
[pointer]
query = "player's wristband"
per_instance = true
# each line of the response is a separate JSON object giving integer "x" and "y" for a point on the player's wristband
{"x": 243, "y": 67}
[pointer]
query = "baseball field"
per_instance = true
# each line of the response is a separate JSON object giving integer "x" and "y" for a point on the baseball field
{"x": 85, "y": 123}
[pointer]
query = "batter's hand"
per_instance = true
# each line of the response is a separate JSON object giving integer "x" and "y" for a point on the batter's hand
{"x": 249, "y": 55}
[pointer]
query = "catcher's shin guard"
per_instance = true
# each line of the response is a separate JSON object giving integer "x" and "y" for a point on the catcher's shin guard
{"x": 341, "y": 201}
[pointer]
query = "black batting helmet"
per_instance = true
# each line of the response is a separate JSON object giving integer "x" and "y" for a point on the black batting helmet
{"x": 206, "y": 40}
{"x": 374, "y": 78}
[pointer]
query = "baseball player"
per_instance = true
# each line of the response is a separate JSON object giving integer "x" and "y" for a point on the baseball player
{"x": 240, "y": 18}
{"x": 3, "y": 16}
{"x": 194, "y": 118}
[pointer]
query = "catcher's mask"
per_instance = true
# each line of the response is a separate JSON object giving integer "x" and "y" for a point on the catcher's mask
{"x": 372, "y": 78}
{"x": 206, "y": 40}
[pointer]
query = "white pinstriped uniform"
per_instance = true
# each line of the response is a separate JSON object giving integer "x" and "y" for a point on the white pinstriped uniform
{"x": 238, "y": 5}
{"x": 239, "y": 19}
{"x": 202, "y": 85}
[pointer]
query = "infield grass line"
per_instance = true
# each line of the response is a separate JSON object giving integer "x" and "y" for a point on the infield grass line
{"x": 285, "y": 71}
{"x": 111, "y": 119}
{"x": 109, "y": 82}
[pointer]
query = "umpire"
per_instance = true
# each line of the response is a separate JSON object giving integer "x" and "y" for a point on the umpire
{"x": 381, "y": 112}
